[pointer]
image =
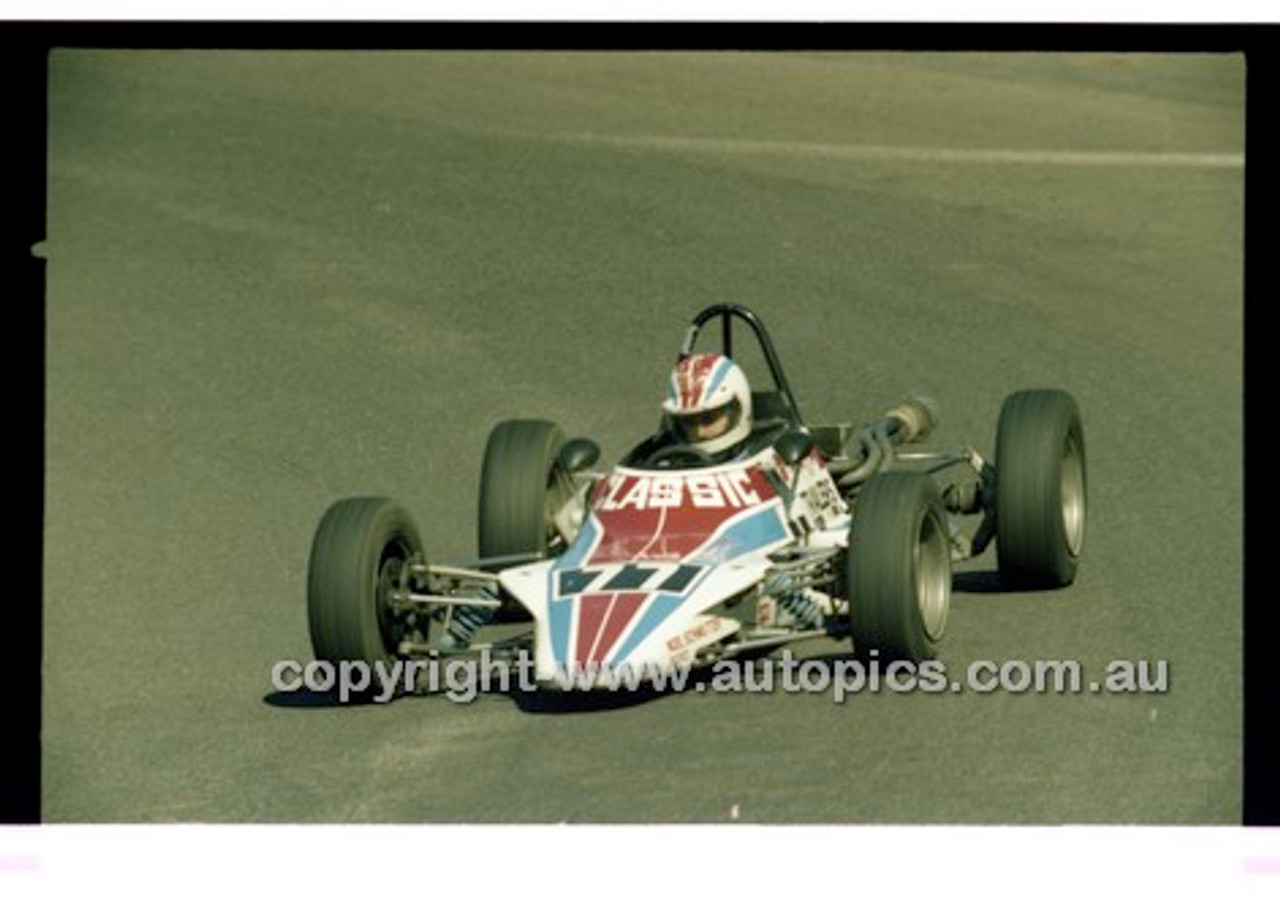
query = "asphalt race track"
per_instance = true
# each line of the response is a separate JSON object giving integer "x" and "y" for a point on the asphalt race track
{"x": 278, "y": 279}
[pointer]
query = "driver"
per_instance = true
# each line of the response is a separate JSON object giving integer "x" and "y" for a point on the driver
{"x": 708, "y": 405}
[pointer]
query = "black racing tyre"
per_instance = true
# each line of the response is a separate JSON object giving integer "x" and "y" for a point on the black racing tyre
{"x": 359, "y": 559}
{"x": 1041, "y": 489}
{"x": 899, "y": 567}
{"x": 521, "y": 487}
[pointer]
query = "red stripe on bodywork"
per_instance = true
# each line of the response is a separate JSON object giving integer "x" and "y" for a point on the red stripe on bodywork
{"x": 591, "y": 612}
{"x": 601, "y": 620}
{"x": 624, "y": 608}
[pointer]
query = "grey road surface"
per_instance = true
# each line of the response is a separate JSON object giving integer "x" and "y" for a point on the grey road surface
{"x": 278, "y": 279}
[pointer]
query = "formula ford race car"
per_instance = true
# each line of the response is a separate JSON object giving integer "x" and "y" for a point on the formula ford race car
{"x": 670, "y": 559}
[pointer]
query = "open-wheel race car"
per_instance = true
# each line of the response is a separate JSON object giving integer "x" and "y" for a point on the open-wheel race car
{"x": 685, "y": 553}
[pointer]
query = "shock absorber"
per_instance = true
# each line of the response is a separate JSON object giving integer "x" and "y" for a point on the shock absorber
{"x": 787, "y": 586}
{"x": 465, "y": 622}
{"x": 803, "y": 607}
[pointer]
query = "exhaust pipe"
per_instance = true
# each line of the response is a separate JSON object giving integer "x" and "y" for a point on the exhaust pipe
{"x": 873, "y": 444}
{"x": 913, "y": 419}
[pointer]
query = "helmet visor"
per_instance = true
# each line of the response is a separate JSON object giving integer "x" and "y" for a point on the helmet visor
{"x": 701, "y": 427}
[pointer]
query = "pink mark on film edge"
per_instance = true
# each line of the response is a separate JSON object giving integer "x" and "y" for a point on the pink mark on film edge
{"x": 1257, "y": 865}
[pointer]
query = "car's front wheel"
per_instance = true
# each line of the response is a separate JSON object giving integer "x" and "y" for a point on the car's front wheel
{"x": 899, "y": 567}
{"x": 360, "y": 562}
{"x": 522, "y": 488}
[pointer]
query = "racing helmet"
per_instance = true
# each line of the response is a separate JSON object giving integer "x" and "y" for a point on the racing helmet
{"x": 708, "y": 402}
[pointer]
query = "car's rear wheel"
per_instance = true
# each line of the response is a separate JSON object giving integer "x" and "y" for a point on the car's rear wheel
{"x": 522, "y": 487}
{"x": 899, "y": 567}
{"x": 360, "y": 561}
{"x": 1041, "y": 489}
